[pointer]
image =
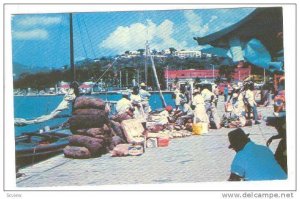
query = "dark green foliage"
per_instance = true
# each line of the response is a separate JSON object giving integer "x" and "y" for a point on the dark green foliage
{"x": 128, "y": 68}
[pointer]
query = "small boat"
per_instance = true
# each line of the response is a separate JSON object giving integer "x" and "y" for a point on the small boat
{"x": 35, "y": 147}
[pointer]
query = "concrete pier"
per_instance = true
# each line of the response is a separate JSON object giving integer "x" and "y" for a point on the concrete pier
{"x": 204, "y": 158}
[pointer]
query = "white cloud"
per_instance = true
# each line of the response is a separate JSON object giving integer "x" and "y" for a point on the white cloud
{"x": 36, "y": 34}
{"x": 38, "y": 21}
{"x": 133, "y": 37}
{"x": 196, "y": 24}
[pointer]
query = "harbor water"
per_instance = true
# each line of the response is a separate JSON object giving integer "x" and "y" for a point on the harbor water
{"x": 30, "y": 107}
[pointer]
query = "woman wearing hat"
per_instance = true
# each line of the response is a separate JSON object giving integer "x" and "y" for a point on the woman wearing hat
{"x": 252, "y": 162}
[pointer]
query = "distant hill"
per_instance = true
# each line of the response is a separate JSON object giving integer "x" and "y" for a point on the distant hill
{"x": 18, "y": 69}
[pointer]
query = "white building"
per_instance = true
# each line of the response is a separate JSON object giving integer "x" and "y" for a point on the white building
{"x": 188, "y": 53}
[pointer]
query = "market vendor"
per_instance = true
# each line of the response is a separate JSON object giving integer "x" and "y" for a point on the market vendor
{"x": 235, "y": 111}
{"x": 136, "y": 101}
{"x": 124, "y": 105}
{"x": 210, "y": 107}
{"x": 198, "y": 104}
{"x": 185, "y": 114}
{"x": 145, "y": 95}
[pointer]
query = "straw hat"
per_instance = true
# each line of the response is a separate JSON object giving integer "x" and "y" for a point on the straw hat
{"x": 142, "y": 84}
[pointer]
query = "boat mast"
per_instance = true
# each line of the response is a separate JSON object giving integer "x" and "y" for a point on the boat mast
{"x": 156, "y": 78}
{"x": 73, "y": 72}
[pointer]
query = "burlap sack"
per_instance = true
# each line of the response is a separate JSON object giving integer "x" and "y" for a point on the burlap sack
{"x": 94, "y": 145}
{"x": 87, "y": 121}
{"x": 89, "y": 112}
{"x": 89, "y": 103}
{"x": 76, "y": 152}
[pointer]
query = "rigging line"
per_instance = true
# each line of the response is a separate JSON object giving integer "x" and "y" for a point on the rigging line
{"x": 81, "y": 36}
{"x": 60, "y": 39}
{"x": 88, "y": 36}
{"x": 107, "y": 69}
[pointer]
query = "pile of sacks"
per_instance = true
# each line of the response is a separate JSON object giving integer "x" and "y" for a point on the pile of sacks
{"x": 90, "y": 125}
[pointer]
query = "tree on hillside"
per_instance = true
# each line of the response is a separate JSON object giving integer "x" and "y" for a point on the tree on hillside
{"x": 172, "y": 50}
{"x": 141, "y": 51}
{"x": 154, "y": 51}
{"x": 226, "y": 71}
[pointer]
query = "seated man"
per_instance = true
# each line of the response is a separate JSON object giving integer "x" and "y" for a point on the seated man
{"x": 185, "y": 114}
{"x": 252, "y": 161}
{"x": 124, "y": 105}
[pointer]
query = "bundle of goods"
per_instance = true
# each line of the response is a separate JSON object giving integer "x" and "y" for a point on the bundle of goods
{"x": 91, "y": 128}
{"x": 157, "y": 139}
{"x": 122, "y": 116}
{"x": 127, "y": 150}
{"x": 133, "y": 132}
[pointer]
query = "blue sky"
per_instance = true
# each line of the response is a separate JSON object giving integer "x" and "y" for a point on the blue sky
{"x": 43, "y": 39}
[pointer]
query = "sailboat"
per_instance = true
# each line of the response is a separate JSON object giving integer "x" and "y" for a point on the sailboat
{"x": 33, "y": 147}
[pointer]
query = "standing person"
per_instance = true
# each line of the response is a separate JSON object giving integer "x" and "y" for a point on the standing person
{"x": 252, "y": 161}
{"x": 179, "y": 96}
{"x": 136, "y": 101}
{"x": 211, "y": 110}
{"x": 145, "y": 95}
{"x": 225, "y": 93}
{"x": 198, "y": 103}
{"x": 216, "y": 92}
{"x": 250, "y": 100}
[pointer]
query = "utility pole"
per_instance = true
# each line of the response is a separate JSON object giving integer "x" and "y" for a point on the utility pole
{"x": 120, "y": 78}
{"x": 167, "y": 77}
{"x": 126, "y": 78}
{"x": 146, "y": 68}
{"x": 213, "y": 72}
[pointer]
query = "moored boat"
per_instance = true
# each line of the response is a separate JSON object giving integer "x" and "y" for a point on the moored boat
{"x": 35, "y": 147}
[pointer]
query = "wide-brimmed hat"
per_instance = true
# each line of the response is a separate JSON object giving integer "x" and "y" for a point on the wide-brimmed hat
{"x": 237, "y": 138}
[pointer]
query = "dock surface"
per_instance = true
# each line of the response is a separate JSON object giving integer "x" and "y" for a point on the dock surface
{"x": 204, "y": 158}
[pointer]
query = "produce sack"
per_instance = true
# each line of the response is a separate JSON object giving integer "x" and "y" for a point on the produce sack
{"x": 89, "y": 112}
{"x": 87, "y": 121}
{"x": 117, "y": 128}
{"x": 77, "y": 152}
{"x": 89, "y": 103}
{"x": 94, "y": 145}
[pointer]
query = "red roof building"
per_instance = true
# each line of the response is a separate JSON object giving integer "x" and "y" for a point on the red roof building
{"x": 170, "y": 75}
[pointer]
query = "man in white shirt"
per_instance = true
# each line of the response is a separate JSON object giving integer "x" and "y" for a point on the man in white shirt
{"x": 124, "y": 105}
{"x": 136, "y": 101}
{"x": 145, "y": 95}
